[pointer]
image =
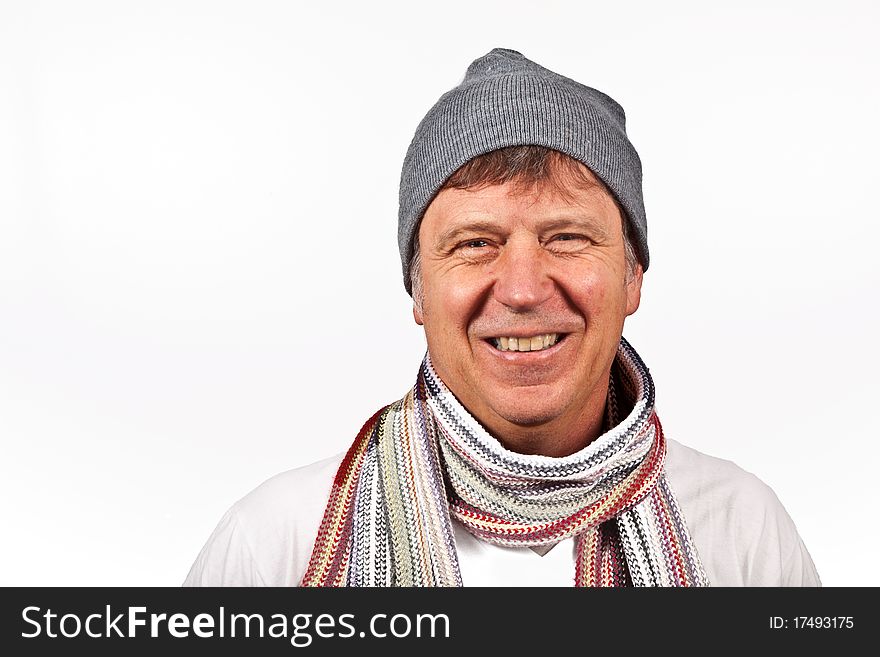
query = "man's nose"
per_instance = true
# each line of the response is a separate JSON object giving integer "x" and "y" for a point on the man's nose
{"x": 522, "y": 281}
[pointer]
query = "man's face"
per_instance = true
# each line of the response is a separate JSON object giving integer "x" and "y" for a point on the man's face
{"x": 498, "y": 263}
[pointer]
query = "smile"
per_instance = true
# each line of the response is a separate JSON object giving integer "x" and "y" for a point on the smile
{"x": 526, "y": 343}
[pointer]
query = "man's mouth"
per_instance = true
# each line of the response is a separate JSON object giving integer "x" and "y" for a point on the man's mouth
{"x": 528, "y": 343}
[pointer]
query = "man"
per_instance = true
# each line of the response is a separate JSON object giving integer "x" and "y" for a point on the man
{"x": 528, "y": 452}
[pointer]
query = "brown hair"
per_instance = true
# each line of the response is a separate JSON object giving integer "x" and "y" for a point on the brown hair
{"x": 525, "y": 167}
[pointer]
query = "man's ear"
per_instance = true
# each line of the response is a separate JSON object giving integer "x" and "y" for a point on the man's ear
{"x": 634, "y": 290}
{"x": 417, "y": 315}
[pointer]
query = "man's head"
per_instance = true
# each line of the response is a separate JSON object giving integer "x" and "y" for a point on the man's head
{"x": 540, "y": 263}
{"x": 523, "y": 241}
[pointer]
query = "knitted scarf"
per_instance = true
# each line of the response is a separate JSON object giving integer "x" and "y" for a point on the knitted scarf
{"x": 424, "y": 460}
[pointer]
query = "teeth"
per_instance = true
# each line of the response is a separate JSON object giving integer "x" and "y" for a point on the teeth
{"x": 534, "y": 343}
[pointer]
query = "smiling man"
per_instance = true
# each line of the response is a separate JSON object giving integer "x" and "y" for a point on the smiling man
{"x": 523, "y": 287}
{"x": 528, "y": 452}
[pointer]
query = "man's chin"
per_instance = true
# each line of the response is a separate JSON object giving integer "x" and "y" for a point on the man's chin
{"x": 526, "y": 417}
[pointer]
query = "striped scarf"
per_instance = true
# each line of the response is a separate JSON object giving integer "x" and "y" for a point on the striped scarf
{"x": 424, "y": 460}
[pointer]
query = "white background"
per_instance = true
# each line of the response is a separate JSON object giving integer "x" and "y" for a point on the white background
{"x": 199, "y": 278}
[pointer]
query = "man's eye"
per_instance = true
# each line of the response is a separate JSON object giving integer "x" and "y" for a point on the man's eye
{"x": 474, "y": 244}
{"x": 569, "y": 241}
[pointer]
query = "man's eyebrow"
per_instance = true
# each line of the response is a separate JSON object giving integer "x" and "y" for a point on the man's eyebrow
{"x": 578, "y": 222}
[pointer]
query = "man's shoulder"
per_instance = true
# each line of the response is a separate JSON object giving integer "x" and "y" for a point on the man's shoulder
{"x": 287, "y": 494}
{"x": 709, "y": 473}
{"x": 710, "y": 486}
{"x": 742, "y": 531}
{"x": 266, "y": 537}
{"x": 286, "y": 510}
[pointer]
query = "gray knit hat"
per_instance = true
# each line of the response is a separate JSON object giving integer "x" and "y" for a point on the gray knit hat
{"x": 508, "y": 100}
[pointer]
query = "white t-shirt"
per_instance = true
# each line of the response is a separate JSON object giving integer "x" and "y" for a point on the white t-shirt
{"x": 743, "y": 534}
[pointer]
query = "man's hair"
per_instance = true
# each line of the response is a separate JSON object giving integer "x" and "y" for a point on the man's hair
{"x": 525, "y": 167}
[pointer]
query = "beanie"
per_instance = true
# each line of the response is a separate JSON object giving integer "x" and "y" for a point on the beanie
{"x": 508, "y": 100}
